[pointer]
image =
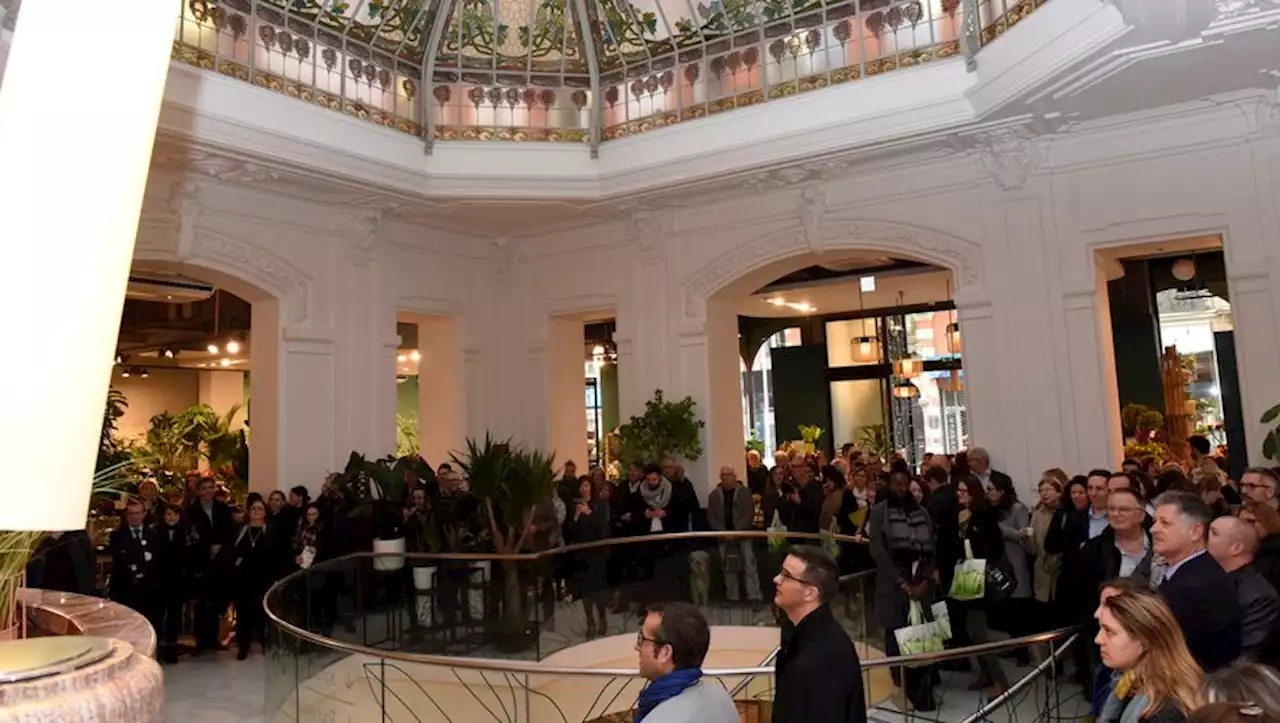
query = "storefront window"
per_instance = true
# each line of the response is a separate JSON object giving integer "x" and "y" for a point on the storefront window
{"x": 757, "y": 390}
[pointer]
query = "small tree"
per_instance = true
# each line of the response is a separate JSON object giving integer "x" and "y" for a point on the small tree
{"x": 665, "y": 429}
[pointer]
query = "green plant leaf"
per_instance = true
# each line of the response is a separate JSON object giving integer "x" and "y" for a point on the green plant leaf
{"x": 1269, "y": 445}
{"x": 1270, "y": 415}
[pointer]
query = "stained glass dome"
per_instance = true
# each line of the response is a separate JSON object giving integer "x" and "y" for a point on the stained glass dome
{"x": 569, "y": 70}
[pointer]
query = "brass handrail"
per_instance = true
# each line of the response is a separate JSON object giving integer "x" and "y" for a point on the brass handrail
{"x": 519, "y": 666}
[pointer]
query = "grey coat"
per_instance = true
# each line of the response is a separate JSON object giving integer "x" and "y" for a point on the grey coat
{"x": 1017, "y": 548}
{"x": 891, "y": 603}
{"x": 702, "y": 702}
{"x": 743, "y": 508}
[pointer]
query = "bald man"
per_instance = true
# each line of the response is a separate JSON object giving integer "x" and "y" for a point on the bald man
{"x": 1233, "y": 543}
{"x": 730, "y": 508}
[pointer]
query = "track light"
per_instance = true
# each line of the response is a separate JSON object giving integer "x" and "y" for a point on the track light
{"x": 169, "y": 353}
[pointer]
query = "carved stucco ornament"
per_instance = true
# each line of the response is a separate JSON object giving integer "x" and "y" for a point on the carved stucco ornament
{"x": 366, "y": 223}
{"x": 649, "y": 228}
{"x": 813, "y": 207}
{"x": 1009, "y": 155}
{"x": 963, "y": 258}
{"x": 258, "y": 267}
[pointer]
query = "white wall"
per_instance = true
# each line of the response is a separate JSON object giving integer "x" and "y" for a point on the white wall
{"x": 1021, "y": 245}
{"x": 163, "y": 390}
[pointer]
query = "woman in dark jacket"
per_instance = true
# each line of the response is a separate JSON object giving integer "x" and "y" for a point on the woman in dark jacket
{"x": 902, "y": 545}
{"x": 171, "y": 574}
{"x": 589, "y": 522}
{"x": 980, "y": 531}
{"x": 1061, "y": 540}
{"x": 253, "y": 574}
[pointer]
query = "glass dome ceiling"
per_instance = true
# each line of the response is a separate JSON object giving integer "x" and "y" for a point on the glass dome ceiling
{"x": 569, "y": 70}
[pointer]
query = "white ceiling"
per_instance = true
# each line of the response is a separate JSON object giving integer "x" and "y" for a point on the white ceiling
{"x": 842, "y": 295}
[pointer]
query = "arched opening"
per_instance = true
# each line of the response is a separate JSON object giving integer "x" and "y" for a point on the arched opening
{"x": 200, "y": 347}
{"x": 879, "y": 363}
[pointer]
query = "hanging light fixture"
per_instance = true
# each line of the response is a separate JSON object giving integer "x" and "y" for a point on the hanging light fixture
{"x": 908, "y": 367}
{"x": 903, "y": 389}
{"x": 866, "y": 349}
{"x": 953, "y": 337}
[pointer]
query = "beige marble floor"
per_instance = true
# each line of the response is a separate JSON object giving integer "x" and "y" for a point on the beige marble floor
{"x": 215, "y": 689}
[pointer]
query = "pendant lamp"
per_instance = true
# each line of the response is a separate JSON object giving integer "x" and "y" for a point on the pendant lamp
{"x": 953, "y": 382}
{"x": 866, "y": 349}
{"x": 953, "y": 337}
{"x": 908, "y": 367}
{"x": 903, "y": 389}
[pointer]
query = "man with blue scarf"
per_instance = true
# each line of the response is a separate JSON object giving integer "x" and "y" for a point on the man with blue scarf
{"x": 672, "y": 643}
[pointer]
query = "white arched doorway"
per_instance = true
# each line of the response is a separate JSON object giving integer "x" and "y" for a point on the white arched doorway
{"x": 278, "y": 294}
{"x": 712, "y": 291}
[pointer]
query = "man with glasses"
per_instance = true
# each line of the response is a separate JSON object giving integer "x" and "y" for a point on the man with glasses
{"x": 819, "y": 678}
{"x": 672, "y": 643}
{"x": 1259, "y": 484}
{"x": 803, "y": 498}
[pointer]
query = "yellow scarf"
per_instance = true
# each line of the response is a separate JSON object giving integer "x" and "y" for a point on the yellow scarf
{"x": 1124, "y": 686}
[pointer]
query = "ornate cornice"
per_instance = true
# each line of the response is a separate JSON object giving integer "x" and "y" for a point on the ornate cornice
{"x": 963, "y": 258}
{"x": 649, "y": 228}
{"x": 807, "y": 172}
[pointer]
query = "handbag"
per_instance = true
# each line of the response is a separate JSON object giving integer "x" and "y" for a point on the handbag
{"x": 942, "y": 618}
{"x": 1000, "y": 580}
{"x": 970, "y": 579}
{"x": 919, "y": 636}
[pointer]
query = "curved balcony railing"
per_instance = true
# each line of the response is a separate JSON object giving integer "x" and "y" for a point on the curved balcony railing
{"x": 568, "y": 70}
{"x": 475, "y": 637}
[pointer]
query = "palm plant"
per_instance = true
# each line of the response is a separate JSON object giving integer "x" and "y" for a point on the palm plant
{"x": 510, "y": 483}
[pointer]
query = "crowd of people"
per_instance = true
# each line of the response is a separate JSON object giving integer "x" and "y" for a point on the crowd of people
{"x": 1170, "y": 569}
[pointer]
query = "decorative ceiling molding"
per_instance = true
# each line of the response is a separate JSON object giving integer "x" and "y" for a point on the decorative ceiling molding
{"x": 963, "y": 258}
{"x": 813, "y": 207}
{"x": 650, "y": 228}
{"x": 807, "y": 172}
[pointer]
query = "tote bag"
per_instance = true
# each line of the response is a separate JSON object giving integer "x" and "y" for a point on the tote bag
{"x": 970, "y": 580}
{"x": 920, "y": 635}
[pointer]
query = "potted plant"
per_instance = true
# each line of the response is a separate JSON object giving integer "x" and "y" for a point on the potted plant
{"x": 374, "y": 491}
{"x": 811, "y": 434}
{"x": 665, "y": 429}
{"x": 509, "y": 483}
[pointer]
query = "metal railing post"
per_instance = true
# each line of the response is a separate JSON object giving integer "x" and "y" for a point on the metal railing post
{"x": 971, "y": 34}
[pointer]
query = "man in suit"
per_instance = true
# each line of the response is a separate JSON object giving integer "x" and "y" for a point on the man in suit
{"x": 132, "y": 550}
{"x": 1191, "y": 581}
{"x": 211, "y": 525}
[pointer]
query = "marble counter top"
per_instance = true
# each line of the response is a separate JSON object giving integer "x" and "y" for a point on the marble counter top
{"x": 124, "y": 687}
{"x": 65, "y": 613}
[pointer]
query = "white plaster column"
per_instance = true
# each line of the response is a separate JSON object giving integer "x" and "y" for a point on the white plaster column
{"x": 222, "y": 390}
{"x": 1257, "y": 336}
{"x": 441, "y": 382}
{"x": 720, "y": 400}
{"x": 565, "y": 390}
{"x": 1095, "y": 398}
{"x": 55, "y": 408}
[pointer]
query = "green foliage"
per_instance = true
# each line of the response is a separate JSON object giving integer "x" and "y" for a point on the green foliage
{"x": 665, "y": 429}
{"x": 110, "y": 449}
{"x": 874, "y": 438}
{"x": 811, "y": 434}
{"x": 407, "y": 444}
{"x": 1271, "y": 443}
{"x": 1139, "y": 418}
{"x": 378, "y": 489}
{"x": 509, "y": 482}
{"x": 755, "y": 443}
{"x": 175, "y": 444}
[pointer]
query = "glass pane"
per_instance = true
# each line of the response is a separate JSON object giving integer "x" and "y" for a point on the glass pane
{"x": 857, "y": 413}
{"x": 944, "y": 411}
{"x": 852, "y": 343}
{"x": 927, "y": 334}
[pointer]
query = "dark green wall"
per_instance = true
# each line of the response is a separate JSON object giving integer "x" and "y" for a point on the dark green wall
{"x": 1135, "y": 332}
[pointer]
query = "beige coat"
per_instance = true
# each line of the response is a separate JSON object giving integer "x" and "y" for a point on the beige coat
{"x": 1046, "y": 566}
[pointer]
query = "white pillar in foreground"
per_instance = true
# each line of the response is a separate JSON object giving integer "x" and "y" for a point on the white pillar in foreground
{"x": 74, "y": 158}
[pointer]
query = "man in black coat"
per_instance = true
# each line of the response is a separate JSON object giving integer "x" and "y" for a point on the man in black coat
{"x": 1192, "y": 582}
{"x": 210, "y": 524}
{"x": 819, "y": 677}
{"x": 1233, "y": 544}
{"x": 944, "y": 509}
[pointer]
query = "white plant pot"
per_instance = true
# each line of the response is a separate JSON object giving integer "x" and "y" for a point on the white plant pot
{"x": 389, "y": 564}
{"x": 424, "y": 579}
{"x": 475, "y": 595}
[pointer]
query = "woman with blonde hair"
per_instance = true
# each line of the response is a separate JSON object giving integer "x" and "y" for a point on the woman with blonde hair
{"x": 1046, "y": 566}
{"x": 1154, "y": 677}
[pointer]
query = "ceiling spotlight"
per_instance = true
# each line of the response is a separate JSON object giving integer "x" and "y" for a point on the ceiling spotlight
{"x": 212, "y": 349}
{"x": 415, "y": 355}
{"x": 169, "y": 353}
{"x": 225, "y": 362}
{"x": 776, "y": 301}
{"x": 401, "y": 357}
{"x": 597, "y": 350}
{"x": 125, "y": 372}
{"x": 143, "y": 373}
{"x": 233, "y": 347}
{"x": 119, "y": 359}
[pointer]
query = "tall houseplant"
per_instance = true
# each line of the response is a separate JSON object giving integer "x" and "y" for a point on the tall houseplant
{"x": 509, "y": 483}
{"x": 665, "y": 429}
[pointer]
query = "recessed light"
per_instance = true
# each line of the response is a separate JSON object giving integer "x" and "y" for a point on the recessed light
{"x": 401, "y": 357}
{"x": 212, "y": 348}
{"x": 867, "y": 283}
{"x": 233, "y": 347}
{"x": 776, "y": 301}
{"x": 225, "y": 362}
{"x": 415, "y": 355}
